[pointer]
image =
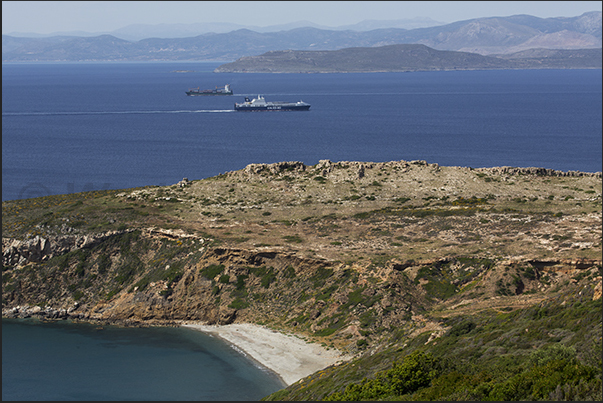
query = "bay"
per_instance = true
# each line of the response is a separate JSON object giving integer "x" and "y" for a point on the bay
{"x": 77, "y": 361}
{"x": 77, "y": 127}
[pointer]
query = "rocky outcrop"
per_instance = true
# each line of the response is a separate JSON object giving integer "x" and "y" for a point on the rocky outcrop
{"x": 536, "y": 171}
{"x": 183, "y": 183}
{"x": 326, "y": 167}
{"x": 598, "y": 291}
{"x": 17, "y": 253}
{"x": 275, "y": 168}
{"x": 565, "y": 264}
{"x": 47, "y": 312}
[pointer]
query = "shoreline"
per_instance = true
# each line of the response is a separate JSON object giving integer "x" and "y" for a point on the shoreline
{"x": 288, "y": 356}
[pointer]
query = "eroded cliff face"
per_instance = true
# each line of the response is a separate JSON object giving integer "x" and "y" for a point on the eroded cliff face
{"x": 336, "y": 251}
{"x": 159, "y": 278}
{"x": 102, "y": 281}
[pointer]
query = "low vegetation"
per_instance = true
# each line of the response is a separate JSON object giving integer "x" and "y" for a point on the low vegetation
{"x": 550, "y": 351}
{"x": 441, "y": 283}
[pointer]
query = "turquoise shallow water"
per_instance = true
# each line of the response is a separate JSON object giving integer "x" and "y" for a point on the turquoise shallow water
{"x": 67, "y": 361}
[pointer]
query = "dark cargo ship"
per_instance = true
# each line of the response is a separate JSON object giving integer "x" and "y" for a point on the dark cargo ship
{"x": 259, "y": 104}
{"x": 217, "y": 91}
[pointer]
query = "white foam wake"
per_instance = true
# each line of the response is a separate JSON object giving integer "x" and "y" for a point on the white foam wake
{"x": 114, "y": 112}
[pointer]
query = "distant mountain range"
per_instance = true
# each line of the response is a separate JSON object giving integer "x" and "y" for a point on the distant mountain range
{"x": 136, "y": 32}
{"x": 485, "y": 36}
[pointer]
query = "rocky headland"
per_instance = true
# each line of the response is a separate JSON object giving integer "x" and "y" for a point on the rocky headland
{"x": 357, "y": 256}
{"x": 369, "y": 219}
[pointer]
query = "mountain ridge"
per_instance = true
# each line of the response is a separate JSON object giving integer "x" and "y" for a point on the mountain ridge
{"x": 136, "y": 32}
{"x": 483, "y": 36}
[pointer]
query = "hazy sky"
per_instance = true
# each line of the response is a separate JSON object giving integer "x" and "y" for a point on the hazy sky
{"x": 45, "y": 17}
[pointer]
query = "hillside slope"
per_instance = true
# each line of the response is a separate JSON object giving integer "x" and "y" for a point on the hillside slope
{"x": 360, "y": 256}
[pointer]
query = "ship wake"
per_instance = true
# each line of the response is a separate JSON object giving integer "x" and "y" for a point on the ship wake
{"x": 83, "y": 113}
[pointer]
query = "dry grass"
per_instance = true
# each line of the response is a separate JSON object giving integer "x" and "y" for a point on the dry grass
{"x": 352, "y": 211}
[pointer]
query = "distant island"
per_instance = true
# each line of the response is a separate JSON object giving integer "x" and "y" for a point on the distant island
{"x": 408, "y": 57}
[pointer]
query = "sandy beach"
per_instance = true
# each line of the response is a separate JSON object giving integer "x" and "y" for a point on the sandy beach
{"x": 287, "y": 355}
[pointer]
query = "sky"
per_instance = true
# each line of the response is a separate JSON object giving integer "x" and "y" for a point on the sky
{"x": 45, "y": 17}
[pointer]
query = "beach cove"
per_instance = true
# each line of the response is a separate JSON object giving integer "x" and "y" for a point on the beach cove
{"x": 289, "y": 356}
{"x": 63, "y": 360}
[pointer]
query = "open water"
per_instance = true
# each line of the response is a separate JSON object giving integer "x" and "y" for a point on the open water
{"x": 76, "y": 127}
{"x": 67, "y": 361}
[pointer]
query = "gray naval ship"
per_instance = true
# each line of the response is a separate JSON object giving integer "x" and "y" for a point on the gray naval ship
{"x": 259, "y": 104}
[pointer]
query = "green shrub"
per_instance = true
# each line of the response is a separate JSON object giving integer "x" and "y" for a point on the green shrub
{"x": 325, "y": 332}
{"x": 401, "y": 200}
{"x": 415, "y": 371}
{"x": 461, "y": 329}
{"x": 212, "y": 271}
{"x": 438, "y": 284}
{"x": 367, "y": 318}
{"x": 289, "y": 272}
{"x": 362, "y": 215}
{"x": 238, "y": 304}
{"x": 104, "y": 263}
{"x": 267, "y": 279}
{"x": 538, "y": 382}
{"x": 266, "y": 273}
{"x": 322, "y": 273}
{"x": 326, "y": 293}
{"x": 293, "y": 239}
{"x": 167, "y": 292}
{"x": 529, "y": 273}
{"x": 240, "y": 285}
{"x": 553, "y": 352}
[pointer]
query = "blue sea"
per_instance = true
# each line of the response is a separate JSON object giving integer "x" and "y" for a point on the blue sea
{"x": 88, "y": 126}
